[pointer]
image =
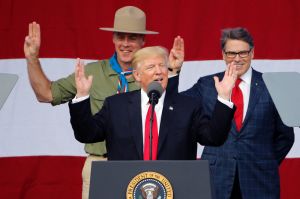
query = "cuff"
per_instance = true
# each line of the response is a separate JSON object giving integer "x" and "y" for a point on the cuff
{"x": 226, "y": 102}
{"x": 79, "y": 99}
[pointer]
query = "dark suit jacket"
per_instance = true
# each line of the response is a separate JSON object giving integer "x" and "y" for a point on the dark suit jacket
{"x": 119, "y": 122}
{"x": 256, "y": 151}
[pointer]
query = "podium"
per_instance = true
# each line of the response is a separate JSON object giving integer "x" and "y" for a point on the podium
{"x": 284, "y": 90}
{"x": 155, "y": 179}
{"x": 7, "y": 82}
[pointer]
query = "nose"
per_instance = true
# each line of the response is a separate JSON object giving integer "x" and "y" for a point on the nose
{"x": 125, "y": 41}
{"x": 158, "y": 69}
{"x": 237, "y": 58}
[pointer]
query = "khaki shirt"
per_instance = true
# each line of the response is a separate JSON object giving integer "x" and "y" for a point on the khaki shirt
{"x": 105, "y": 84}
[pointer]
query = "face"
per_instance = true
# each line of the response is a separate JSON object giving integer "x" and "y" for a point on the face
{"x": 126, "y": 44}
{"x": 238, "y": 52}
{"x": 152, "y": 69}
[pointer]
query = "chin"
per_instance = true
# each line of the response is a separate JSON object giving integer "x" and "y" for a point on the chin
{"x": 126, "y": 60}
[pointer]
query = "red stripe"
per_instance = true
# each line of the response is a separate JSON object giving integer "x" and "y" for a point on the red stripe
{"x": 290, "y": 178}
{"x": 50, "y": 177}
{"x": 70, "y": 27}
{"x": 38, "y": 177}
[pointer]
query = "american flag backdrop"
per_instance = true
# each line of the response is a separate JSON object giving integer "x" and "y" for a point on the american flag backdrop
{"x": 39, "y": 156}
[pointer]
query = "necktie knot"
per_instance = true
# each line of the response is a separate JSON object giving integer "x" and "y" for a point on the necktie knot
{"x": 237, "y": 82}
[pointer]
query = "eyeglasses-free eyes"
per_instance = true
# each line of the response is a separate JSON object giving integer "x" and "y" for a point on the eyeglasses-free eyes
{"x": 242, "y": 54}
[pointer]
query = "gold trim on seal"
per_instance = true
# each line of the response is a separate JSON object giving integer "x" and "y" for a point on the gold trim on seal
{"x": 149, "y": 175}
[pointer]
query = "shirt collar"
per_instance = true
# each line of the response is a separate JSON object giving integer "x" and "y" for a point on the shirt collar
{"x": 247, "y": 76}
{"x": 145, "y": 99}
{"x": 111, "y": 72}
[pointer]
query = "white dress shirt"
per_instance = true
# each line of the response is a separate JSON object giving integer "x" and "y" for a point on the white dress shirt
{"x": 158, "y": 109}
{"x": 245, "y": 86}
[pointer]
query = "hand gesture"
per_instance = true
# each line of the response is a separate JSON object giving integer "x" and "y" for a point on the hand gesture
{"x": 32, "y": 41}
{"x": 225, "y": 86}
{"x": 83, "y": 84}
{"x": 176, "y": 56}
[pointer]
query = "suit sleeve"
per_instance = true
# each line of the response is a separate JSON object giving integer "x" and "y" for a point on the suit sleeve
{"x": 213, "y": 130}
{"x": 283, "y": 139}
{"x": 194, "y": 91}
{"x": 88, "y": 128}
{"x": 173, "y": 83}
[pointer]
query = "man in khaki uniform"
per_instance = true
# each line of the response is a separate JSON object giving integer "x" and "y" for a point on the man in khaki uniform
{"x": 111, "y": 76}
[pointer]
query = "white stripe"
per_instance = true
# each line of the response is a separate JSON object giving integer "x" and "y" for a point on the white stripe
{"x": 28, "y": 127}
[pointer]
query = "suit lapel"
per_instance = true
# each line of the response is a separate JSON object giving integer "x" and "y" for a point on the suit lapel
{"x": 165, "y": 121}
{"x": 255, "y": 93}
{"x": 135, "y": 119}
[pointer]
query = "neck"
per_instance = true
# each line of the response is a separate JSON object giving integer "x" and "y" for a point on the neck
{"x": 124, "y": 65}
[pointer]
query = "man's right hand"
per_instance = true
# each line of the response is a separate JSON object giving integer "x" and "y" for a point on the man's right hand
{"x": 40, "y": 83}
{"x": 83, "y": 83}
{"x": 32, "y": 42}
{"x": 224, "y": 87}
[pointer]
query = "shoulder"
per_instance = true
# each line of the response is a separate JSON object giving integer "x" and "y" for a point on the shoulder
{"x": 210, "y": 78}
{"x": 256, "y": 74}
{"x": 207, "y": 82}
{"x": 257, "y": 78}
{"x": 97, "y": 65}
{"x": 187, "y": 100}
{"x": 123, "y": 96}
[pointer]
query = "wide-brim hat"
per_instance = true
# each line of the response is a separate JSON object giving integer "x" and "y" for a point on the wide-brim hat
{"x": 130, "y": 19}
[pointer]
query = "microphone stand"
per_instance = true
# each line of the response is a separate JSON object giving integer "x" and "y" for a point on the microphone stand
{"x": 152, "y": 102}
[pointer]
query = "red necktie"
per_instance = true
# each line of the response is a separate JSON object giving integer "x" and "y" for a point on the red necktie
{"x": 237, "y": 99}
{"x": 147, "y": 136}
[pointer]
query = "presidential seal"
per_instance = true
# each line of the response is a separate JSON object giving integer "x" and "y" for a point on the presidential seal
{"x": 149, "y": 185}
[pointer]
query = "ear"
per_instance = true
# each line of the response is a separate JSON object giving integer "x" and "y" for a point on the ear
{"x": 223, "y": 55}
{"x": 113, "y": 38}
{"x": 137, "y": 76}
{"x": 144, "y": 40}
{"x": 252, "y": 53}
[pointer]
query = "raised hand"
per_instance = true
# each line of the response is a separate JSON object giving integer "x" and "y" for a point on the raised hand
{"x": 176, "y": 56}
{"x": 224, "y": 87}
{"x": 83, "y": 83}
{"x": 32, "y": 42}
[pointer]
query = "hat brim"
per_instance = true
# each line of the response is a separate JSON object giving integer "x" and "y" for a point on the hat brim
{"x": 146, "y": 32}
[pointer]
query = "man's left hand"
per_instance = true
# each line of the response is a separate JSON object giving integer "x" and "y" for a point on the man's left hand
{"x": 176, "y": 56}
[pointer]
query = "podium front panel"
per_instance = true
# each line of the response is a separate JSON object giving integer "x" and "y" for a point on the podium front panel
{"x": 188, "y": 179}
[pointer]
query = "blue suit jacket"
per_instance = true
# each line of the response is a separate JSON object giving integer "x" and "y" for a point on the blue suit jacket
{"x": 256, "y": 151}
{"x": 119, "y": 122}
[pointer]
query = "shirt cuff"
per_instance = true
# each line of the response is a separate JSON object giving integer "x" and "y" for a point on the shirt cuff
{"x": 226, "y": 102}
{"x": 172, "y": 75}
{"x": 79, "y": 99}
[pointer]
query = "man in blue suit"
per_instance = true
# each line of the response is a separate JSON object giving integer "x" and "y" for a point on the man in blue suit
{"x": 180, "y": 120}
{"x": 246, "y": 165}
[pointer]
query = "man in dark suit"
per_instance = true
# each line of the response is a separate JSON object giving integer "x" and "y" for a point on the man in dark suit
{"x": 180, "y": 122}
{"x": 246, "y": 165}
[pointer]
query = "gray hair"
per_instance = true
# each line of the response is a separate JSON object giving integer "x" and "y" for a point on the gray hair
{"x": 236, "y": 34}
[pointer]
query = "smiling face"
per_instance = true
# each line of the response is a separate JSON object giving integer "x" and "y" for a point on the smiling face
{"x": 151, "y": 64}
{"x": 126, "y": 44}
{"x": 240, "y": 53}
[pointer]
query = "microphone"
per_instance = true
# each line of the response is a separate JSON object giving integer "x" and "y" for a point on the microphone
{"x": 154, "y": 92}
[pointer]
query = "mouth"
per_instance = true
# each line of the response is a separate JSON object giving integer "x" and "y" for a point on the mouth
{"x": 159, "y": 80}
{"x": 126, "y": 51}
{"x": 238, "y": 65}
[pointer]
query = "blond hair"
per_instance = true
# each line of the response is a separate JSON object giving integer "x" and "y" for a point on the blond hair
{"x": 148, "y": 52}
